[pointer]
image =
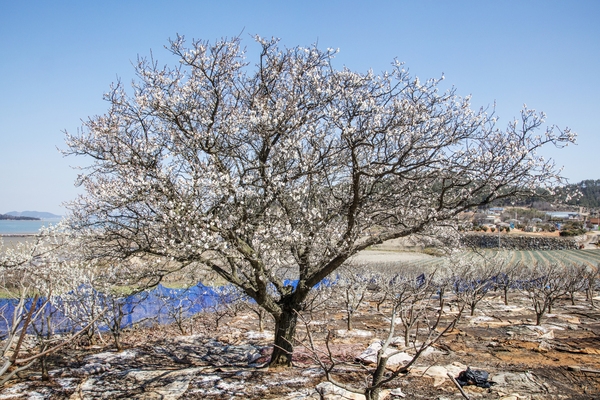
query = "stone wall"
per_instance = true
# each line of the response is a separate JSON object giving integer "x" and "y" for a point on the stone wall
{"x": 513, "y": 242}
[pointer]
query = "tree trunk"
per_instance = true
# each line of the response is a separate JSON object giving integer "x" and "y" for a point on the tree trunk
{"x": 540, "y": 310}
{"x": 285, "y": 328}
{"x": 380, "y": 302}
{"x": 44, "y": 367}
{"x": 372, "y": 394}
{"x": 117, "y": 339}
{"x": 261, "y": 325}
{"x": 349, "y": 321}
{"x": 538, "y": 318}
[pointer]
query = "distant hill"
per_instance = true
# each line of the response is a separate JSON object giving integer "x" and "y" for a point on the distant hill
{"x": 17, "y": 218}
{"x": 34, "y": 214}
{"x": 589, "y": 193}
{"x": 583, "y": 194}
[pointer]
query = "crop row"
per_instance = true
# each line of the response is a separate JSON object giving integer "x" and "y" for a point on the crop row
{"x": 512, "y": 257}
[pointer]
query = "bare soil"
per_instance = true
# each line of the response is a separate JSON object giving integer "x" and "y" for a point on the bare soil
{"x": 557, "y": 360}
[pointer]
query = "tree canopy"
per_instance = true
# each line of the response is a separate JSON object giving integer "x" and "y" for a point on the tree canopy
{"x": 287, "y": 168}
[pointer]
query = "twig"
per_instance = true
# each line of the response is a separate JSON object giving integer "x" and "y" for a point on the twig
{"x": 457, "y": 385}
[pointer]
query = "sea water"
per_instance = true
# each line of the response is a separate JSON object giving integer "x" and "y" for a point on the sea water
{"x": 24, "y": 227}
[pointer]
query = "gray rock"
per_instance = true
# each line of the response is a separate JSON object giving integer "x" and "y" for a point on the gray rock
{"x": 518, "y": 382}
{"x": 329, "y": 391}
{"x": 219, "y": 354}
{"x": 397, "y": 392}
{"x": 369, "y": 356}
{"x": 91, "y": 369}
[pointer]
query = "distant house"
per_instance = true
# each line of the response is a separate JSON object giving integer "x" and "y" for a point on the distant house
{"x": 593, "y": 223}
{"x": 564, "y": 215}
{"x": 496, "y": 210}
{"x": 491, "y": 219}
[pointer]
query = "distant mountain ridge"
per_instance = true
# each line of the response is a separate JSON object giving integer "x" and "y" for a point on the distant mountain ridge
{"x": 6, "y": 217}
{"x": 34, "y": 214}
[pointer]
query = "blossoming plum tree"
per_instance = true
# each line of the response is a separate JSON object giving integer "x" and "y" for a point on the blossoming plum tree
{"x": 282, "y": 171}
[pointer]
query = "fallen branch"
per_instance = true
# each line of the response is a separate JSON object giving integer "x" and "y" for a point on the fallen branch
{"x": 457, "y": 385}
{"x": 28, "y": 362}
{"x": 579, "y": 369}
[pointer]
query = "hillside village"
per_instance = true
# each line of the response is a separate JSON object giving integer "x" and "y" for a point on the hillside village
{"x": 567, "y": 222}
{"x": 573, "y": 217}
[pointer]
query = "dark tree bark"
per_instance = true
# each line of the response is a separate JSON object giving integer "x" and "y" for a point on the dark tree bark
{"x": 285, "y": 329}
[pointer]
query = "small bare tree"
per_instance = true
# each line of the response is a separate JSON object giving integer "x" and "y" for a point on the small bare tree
{"x": 352, "y": 283}
{"x": 177, "y": 306}
{"x": 430, "y": 332}
{"x": 442, "y": 281}
{"x": 227, "y": 301}
{"x": 506, "y": 278}
{"x": 591, "y": 281}
{"x": 546, "y": 285}
{"x": 45, "y": 329}
{"x": 261, "y": 314}
{"x": 472, "y": 281}
{"x": 574, "y": 279}
{"x": 409, "y": 294}
{"x": 32, "y": 273}
{"x": 117, "y": 310}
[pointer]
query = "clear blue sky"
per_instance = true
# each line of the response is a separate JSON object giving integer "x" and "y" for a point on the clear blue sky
{"x": 59, "y": 57}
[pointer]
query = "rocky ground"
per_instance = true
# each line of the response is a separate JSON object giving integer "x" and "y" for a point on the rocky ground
{"x": 557, "y": 360}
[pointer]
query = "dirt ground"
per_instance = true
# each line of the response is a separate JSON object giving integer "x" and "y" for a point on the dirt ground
{"x": 557, "y": 360}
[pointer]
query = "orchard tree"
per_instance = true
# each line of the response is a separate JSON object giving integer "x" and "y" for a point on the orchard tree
{"x": 33, "y": 274}
{"x": 282, "y": 170}
{"x": 546, "y": 284}
{"x": 473, "y": 279}
{"x": 353, "y": 286}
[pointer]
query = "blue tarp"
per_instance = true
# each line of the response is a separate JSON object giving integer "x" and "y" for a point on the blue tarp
{"x": 157, "y": 305}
